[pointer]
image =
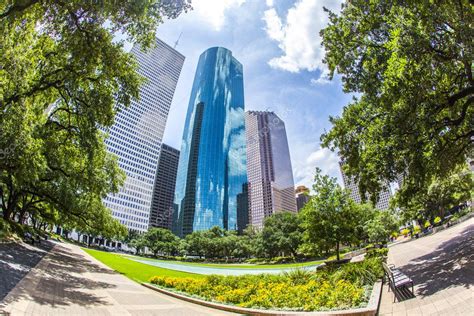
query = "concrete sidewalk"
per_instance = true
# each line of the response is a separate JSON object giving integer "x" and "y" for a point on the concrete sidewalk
{"x": 68, "y": 281}
{"x": 442, "y": 267}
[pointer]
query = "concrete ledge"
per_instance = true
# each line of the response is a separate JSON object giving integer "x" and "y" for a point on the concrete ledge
{"x": 370, "y": 310}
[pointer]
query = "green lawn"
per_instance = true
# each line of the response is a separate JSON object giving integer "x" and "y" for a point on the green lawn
{"x": 136, "y": 271}
{"x": 236, "y": 266}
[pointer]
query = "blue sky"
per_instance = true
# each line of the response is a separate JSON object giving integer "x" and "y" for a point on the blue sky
{"x": 278, "y": 44}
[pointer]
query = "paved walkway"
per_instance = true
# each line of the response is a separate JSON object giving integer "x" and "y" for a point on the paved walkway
{"x": 68, "y": 281}
{"x": 16, "y": 260}
{"x": 442, "y": 267}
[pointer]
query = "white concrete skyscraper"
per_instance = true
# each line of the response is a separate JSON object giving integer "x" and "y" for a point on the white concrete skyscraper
{"x": 270, "y": 177}
{"x": 137, "y": 133}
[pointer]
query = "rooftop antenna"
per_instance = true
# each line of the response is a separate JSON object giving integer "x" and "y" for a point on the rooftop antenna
{"x": 177, "y": 41}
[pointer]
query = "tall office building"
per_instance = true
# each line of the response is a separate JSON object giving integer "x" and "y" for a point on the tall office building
{"x": 212, "y": 164}
{"x": 163, "y": 192}
{"x": 353, "y": 186}
{"x": 137, "y": 132}
{"x": 302, "y": 196}
{"x": 271, "y": 186}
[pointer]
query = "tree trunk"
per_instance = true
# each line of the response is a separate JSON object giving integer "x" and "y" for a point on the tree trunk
{"x": 337, "y": 251}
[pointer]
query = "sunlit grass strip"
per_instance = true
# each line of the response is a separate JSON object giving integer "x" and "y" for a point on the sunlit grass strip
{"x": 136, "y": 271}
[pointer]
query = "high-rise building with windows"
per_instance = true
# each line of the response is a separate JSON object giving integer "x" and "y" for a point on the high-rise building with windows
{"x": 302, "y": 196}
{"x": 212, "y": 163}
{"x": 353, "y": 186}
{"x": 271, "y": 186}
{"x": 137, "y": 133}
{"x": 163, "y": 192}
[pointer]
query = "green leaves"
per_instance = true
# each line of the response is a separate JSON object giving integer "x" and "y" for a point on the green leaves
{"x": 330, "y": 217}
{"x": 411, "y": 65}
{"x": 61, "y": 78}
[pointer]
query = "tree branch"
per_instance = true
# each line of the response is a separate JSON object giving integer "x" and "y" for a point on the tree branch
{"x": 19, "y": 6}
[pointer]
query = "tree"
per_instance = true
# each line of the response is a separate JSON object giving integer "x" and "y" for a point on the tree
{"x": 161, "y": 240}
{"x": 410, "y": 64}
{"x": 61, "y": 78}
{"x": 328, "y": 219}
{"x": 195, "y": 244}
{"x": 381, "y": 226}
{"x": 281, "y": 234}
{"x": 139, "y": 243}
{"x": 438, "y": 197}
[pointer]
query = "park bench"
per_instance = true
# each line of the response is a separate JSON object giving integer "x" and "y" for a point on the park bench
{"x": 397, "y": 280}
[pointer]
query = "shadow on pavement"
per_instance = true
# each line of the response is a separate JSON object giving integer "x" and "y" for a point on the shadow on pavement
{"x": 60, "y": 280}
{"x": 451, "y": 264}
{"x": 16, "y": 260}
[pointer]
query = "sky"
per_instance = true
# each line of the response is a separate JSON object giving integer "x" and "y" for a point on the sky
{"x": 279, "y": 46}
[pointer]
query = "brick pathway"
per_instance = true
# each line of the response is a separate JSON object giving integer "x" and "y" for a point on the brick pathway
{"x": 68, "y": 281}
{"x": 442, "y": 267}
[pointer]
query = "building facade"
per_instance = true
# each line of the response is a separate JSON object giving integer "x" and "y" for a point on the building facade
{"x": 353, "y": 186}
{"x": 212, "y": 164}
{"x": 137, "y": 133}
{"x": 163, "y": 191}
{"x": 302, "y": 196}
{"x": 269, "y": 172}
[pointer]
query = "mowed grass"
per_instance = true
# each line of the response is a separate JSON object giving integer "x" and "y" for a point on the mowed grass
{"x": 235, "y": 266}
{"x": 136, "y": 271}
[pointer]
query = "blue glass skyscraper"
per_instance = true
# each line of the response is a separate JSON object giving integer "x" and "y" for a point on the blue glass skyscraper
{"x": 212, "y": 165}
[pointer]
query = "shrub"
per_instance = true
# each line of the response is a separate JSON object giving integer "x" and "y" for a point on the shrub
{"x": 329, "y": 288}
{"x": 405, "y": 232}
{"x": 416, "y": 229}
{"x": 376, "y": 253}
{"x": 363, "y": 273}
{"x": 5, "y": 229}
{"x": 437, "y": 220}
{"x": 427, "y": 224}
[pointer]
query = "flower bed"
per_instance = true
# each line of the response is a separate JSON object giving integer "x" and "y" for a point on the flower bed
{"x": 344, "y": 287}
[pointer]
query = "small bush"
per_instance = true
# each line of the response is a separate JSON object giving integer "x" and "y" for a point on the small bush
{"x": 437, "y": 220}
{"x": 5, "y": 229}
{"x": 416, "y": 229}
{"x": 427, "y": 224}
{"x": 376, "y": 253}
{"x": 405, "y": 232}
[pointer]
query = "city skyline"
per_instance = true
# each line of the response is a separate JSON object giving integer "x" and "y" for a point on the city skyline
{"x": 303, "y": 97}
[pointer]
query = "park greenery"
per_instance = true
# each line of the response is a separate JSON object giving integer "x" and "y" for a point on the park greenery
{"x": 61, "y": 78}
{"x": 410, "y": 66}
{"x": 342, "y": 287}
{"x": 330, "y": 221}
{"x": 137, "y": 271}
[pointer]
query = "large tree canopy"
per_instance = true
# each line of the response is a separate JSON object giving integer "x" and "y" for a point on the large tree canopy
{"x": 410, "y": 63}
{"x": 61, "y": 76}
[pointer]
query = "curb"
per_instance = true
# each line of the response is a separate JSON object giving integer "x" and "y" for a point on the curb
{"x": 370, "y": 310}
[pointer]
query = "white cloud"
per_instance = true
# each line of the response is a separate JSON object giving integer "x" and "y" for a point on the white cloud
{"x": 322, "y": 79}
{"x": 270, "y": 3}
{"x": 298, "y": 37}
{"x": 214, "y": 11}
{"x": 322, "y": 158}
